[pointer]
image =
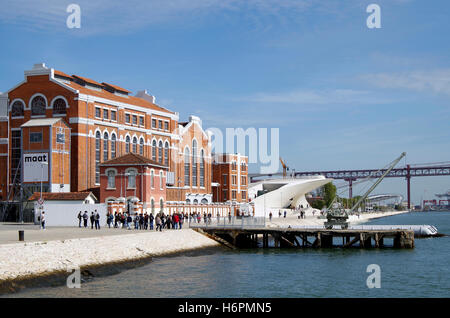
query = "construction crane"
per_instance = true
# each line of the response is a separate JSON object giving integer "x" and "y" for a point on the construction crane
{"x": 285, "y": 167}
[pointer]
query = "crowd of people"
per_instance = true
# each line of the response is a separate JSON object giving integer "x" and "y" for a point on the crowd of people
{"x": 145, "y": 221}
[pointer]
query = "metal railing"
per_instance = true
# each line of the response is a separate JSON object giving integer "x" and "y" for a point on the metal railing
{"x": 228, "y": 222}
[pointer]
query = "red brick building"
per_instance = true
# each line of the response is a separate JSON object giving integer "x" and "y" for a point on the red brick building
{"x": 104, "y": 121}
{"x": 230, "y": 171}
{"x": 134, "y": 176}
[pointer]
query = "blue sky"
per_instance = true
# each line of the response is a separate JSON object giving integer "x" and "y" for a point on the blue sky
{"x": 343, "y": 95}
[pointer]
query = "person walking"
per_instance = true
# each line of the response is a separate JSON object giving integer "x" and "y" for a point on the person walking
{"x": 176, "y": 219}
{"x": 270, "y": 216}
{"x": 181, "y": 221}
{"x": 85, "y": 219}
{"x": 128, "y": 221}
{"x": 80, "y": 216}
{"x": 145, "y": 221}
{"x": 284, "y": 214}
{"x": 43, "y": 220}
{"x": 97, "y": 220}
{"x": 151, "y": 218}
{"x": 92, "y": 218}
{"x": 158, "y": 223}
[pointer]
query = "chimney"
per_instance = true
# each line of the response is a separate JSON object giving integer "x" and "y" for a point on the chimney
{"x": 145, "y": 95}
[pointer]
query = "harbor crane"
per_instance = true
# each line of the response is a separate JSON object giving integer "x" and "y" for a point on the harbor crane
{"x": 285, "y": 167}
{"x": 338, "y": 216}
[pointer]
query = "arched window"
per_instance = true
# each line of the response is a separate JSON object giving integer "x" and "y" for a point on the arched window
{"x": 135, "y": 145}
{"x": 127, "y": 144}
{"x": 152, "y": 205}
{"x": 202, "y": 168}
{"x": 59, "y": 106}
{"x": 187, "y": 161}
{"x": 17, "y": 109}
{"x": 111, "y": 179}
{"x": 152, "y": 179}
{"x": 204, "y": 201}
{"x": 161, "y": 179}
{"x": 131, "y": 179}
{"x": 113, "y": 146}
{"x": 195, "y": 201}
{"x": 38, "y": 105}
{"x": 166, "y": 154}
{"x": 194, "y": 163}
{"x": 141, "y": 147}
{"x": 161, "y": 204}
{"x": 98, "y": 136}
{"x": 105, "y": 146}
{"x": 160, "y": 152}
{"x": 154, "y": 150}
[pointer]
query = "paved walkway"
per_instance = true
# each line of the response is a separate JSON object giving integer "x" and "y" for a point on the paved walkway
{"x": 9, "y": 233}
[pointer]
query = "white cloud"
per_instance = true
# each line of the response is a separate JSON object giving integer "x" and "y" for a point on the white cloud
{"x": 434, "y": 81}
{"x": 318, "y": 97}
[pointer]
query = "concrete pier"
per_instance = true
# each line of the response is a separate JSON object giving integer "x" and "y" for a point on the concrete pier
{"x": 316, "y": 238}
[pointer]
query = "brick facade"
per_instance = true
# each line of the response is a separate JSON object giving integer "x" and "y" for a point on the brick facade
{"x": 230, "y": 171}
{"x": 105, "y": 122}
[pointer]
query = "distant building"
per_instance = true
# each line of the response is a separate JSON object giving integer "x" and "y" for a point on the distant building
{"x": 230, "y": 172}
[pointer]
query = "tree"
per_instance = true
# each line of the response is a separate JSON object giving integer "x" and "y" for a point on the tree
{"x": 328, "y": 193}
{"x": 318, "y": 204}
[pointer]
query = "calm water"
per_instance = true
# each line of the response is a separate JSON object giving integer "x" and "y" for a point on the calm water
{"x": 421, "y": 272}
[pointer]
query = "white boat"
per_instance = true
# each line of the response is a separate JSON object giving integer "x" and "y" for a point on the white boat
{"x": 272, "y": 195}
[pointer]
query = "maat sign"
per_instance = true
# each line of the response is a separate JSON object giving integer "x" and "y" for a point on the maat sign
{"x": 35, "y": 167}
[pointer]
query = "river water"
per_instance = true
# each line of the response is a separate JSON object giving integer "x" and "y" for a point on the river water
{"x": 420, "y": 272}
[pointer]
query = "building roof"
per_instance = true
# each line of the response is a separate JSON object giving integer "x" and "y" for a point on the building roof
{"x": 102, "y": 93}
{"x": 41, "y": 122}
{"x": 87, "y": 80}
{"x": 132, "y": 159}
{"x": 61, "y": 196}
{"x": 117, "y": 88}
{"x": 59, "y": 73}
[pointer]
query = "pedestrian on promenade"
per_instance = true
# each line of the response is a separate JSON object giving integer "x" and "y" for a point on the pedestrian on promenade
{"x": 80, "y": 216}
{"x": 279, "y": 213}
{"x": 168, "y": 222}
{"x": 141, "y": 221}
{"x": 85, "y": 219}
{"x": 158, "y": 223}
{"x": 145, "y": 221}
{"x": 176, "y": 220}
{"x": 128, "y": 219}
{"x": 270, "y": 216}
{"x": 163, "y": 220}
{"x": 97, "y": 220}
{"x": 229, "y": 217}
{"x": 43, "y": 220}
{"x": 181, "y": 221}
{"x": 284, "y": 213}
{"x": 151, "y": 218}
{"x": 92, "y": 218}
{"x": 111, "y": 219}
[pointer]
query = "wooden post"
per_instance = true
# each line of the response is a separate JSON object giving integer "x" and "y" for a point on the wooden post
{"x": 361, "y": 240}
{"x": 318, "y": 241}
{"x": 377, "y": 240}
